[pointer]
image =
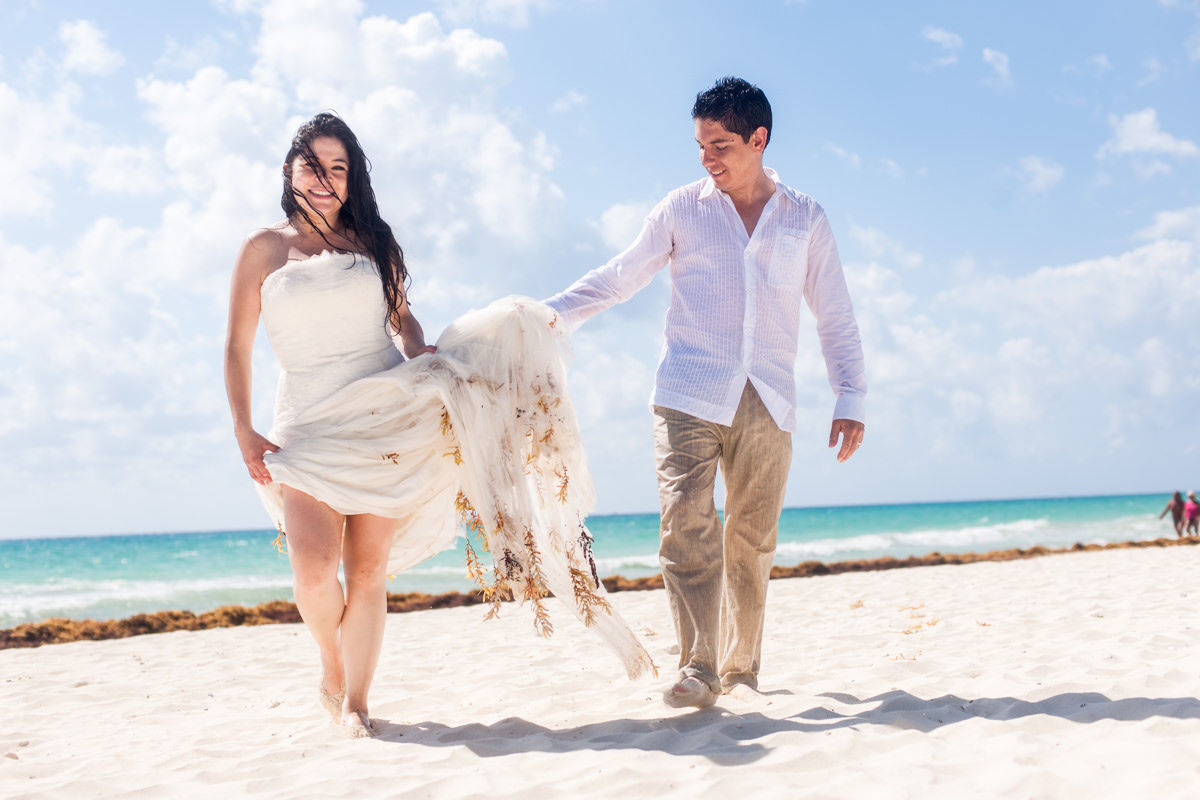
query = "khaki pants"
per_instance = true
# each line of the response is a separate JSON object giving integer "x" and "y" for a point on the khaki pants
{"x": 716, "y": 575}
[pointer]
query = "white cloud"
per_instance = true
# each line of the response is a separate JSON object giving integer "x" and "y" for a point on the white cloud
{"x": 1148, "y": 169}
{"x": 610, "y": 382}
{"x": 117, "y": 366}
{"x": 851, "y": 158}
{"x": 998, "y": 61}
{"x": 1180, "y": 224}
{"x": 49, "y": 148}
{"x": 214, "y": 127}
{"x": 1145, "y": 289}
{"x": 86, "y": 49}
{"x": 241, "y": 6}
{"x": 893, "y": 169}
{"x": 43, "y": 138}
{"x": 620, "y": 224}
{"x": 570, "y": 100}
{"x": 1192, "y": 45}
{"x": 1039, "y": 174}
{"x": 515, "y": 13}
{"x": 419, "y": 97}
{"x": 126, "y": 170}
{"x": 191, "y": 56}
{"x": 1139, "y": 133}
{"x": 1100, "y": 64}
{"x": 877, "y": 244}
{"x": 1155, "y": 354}
{"x": 372, "y": 53}
{"x": 950, "y": 43}
{"x": 1154, "y": 69}
{"x": 998, "y": 358}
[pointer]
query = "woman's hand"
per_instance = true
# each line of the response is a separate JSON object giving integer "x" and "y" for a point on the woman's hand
{"x": 254, "y": 446}
{"x": 429, "y": 348}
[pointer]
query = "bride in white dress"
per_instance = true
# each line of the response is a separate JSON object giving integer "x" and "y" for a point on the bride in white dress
{"x": 373, "y": 461}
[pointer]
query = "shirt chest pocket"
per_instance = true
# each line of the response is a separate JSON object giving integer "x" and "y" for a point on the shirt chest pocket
{"x": 789, "y": 259}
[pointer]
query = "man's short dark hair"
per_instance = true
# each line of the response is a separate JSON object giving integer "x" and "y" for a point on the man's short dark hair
{"x": 741, "y": 107}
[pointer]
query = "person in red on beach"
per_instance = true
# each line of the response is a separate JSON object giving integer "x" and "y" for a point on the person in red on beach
{"x": 1175, "y": 506}
{"x": 1191, "y": 515}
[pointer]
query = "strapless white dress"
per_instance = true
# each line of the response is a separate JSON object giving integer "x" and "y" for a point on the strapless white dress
{"x": 481, "y": 435}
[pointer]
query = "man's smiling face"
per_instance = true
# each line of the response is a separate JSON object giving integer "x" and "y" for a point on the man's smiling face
{"x": 732, "y": 162}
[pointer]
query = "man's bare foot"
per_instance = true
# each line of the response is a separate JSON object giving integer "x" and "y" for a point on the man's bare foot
{"x": 744, "y": 692}
{"x": 690, "y": 692}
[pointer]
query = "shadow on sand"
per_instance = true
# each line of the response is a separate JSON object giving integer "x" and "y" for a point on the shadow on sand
{"x": 728, "y": 738}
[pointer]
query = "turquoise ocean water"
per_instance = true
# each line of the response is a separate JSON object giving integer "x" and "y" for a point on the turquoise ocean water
{"x": 110, "y": 577}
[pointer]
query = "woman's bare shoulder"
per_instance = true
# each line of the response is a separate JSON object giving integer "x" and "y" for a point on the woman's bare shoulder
{"x": 269, "y": 246}
{"x": 271, "y": 237}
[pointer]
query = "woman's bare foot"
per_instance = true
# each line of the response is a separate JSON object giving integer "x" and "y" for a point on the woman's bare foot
{"x": 331, "y": 691}
{"x": 358, "y": 725}
{"x": 332, "y": 703}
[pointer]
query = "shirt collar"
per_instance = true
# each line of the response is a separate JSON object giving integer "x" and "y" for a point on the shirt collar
{"x": 709, "y": 189}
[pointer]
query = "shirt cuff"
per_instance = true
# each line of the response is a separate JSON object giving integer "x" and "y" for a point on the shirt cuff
{"x": 852, "y": 407}
{"x": 570, "y": 322}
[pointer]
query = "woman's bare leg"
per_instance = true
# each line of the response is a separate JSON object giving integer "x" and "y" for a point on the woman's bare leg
{"x": 314, "y": 543}
{"x": 365, "y": 553}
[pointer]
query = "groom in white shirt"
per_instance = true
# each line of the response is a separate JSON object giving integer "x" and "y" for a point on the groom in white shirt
{"x": 742, "y": 248}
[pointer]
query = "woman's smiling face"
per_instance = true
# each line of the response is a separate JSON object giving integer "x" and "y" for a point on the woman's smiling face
{"x": 321, "y": 187}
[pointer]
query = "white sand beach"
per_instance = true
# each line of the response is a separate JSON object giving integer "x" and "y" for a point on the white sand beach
{"x": 1066, "y": 676}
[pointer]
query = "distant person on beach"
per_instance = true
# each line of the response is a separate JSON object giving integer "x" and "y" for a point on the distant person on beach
{"x": 743, "y": 248}
{"x": 356, "y": 471}
{"x": 1191, "y": 515}
{"x": 1175, "y": 506}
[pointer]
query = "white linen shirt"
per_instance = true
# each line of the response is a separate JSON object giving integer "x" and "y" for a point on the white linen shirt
{"x": 735, "y": 302}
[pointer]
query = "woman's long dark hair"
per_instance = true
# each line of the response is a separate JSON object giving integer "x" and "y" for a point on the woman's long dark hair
{"x": 361, "y": 223}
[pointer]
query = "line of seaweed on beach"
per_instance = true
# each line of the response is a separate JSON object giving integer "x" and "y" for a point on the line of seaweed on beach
{"x": 60, "y": 630}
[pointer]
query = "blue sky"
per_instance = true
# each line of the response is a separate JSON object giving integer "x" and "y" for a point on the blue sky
{"x": 1015, "y": 189}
